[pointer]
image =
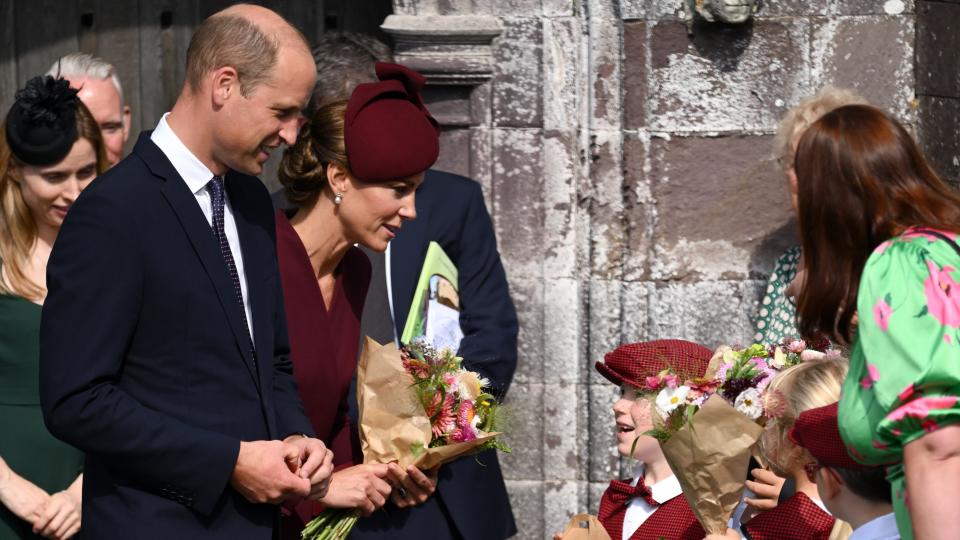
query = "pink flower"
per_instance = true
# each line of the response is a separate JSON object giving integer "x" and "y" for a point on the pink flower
{"x": 881, "y": 314}
{"x": 444, "y": 422}
{"x": 880, "y": 446}
{"x": 920, "y": 408}
{"x": 930, "y": 425}
{"x": 896, "y": 432}
{"x": 914, "y": 233}
{"x": 943, "y": 295}
{"x": 797, "y": 346}
{"x": 652, "y": 383}
{"x": 870, "y": 378}
{"x": 671, "y": 381}
{"x": 907, "y": 392}
{"x": 948, "y": 339}
{"x": 882, "y": 247}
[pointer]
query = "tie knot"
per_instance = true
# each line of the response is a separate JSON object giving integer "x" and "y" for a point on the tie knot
{"x": 216, "y": 185}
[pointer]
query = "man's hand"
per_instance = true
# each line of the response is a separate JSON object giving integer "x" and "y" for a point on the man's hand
{"x": 21, "y": 496}
{"x": 412, "y": 487}
{"x": 360, "y": 486}
{"x": 60, "y": 518}
{"x": 316, "y": 464}
{"x": 267, "y": 472}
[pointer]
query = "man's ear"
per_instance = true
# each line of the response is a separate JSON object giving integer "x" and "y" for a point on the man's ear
{"x": 225, "y": 84}
{"x": 126, "y": 115}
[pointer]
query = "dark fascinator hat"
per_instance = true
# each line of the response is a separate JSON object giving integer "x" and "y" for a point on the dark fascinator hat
{"x": 387, "y": 131}
{"x": 41, "y": 125}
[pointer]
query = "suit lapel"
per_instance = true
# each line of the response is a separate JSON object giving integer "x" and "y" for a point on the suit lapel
{"x": 198, "y": 230}
{"x": 253, "y": 249}
{"x": 407, "y": 251}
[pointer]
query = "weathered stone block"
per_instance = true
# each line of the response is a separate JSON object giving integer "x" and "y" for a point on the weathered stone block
{"x": 785, "y": 8}
{"x": 562, "y": 500}
{"x": 635, "y": 70}
{"x": 605, "y": 315}
{"x": 518, "y": 200}
{"x": 712, "y": 313}
{"x": 525, "y": 462}
{"x": 872, "y": 7}
{"x": 594, "y": 494}
{"x": 723, "y": 207}
{"x": 651, "y": 9}
{"x": 527, "y": 295}
{"x": 561, "y": 426}
{"x": 562, "y": 213}
{"x": 526, "y": 498}
{"x": 638, "y": 205}
{"x": 726, "y": 78}
{"x": 517, "y": 8}
{"x": 456, "y": 145}
{"x": 938, "y": 40}
{"x": 939, "y": 135}
{"x": 635, "y": 314}
{"x": 562, "y": 79}
{"x": 560, "y": 8}
{"x": 607, "y": 225}
{"x": 604, "y": 462}
{"x": 563, "y": 325}
{"x": 873, "y": 55}
{"x": 481, "y": 163}
{"x": 517, "y": 80}
{"x": 604, "y": 66}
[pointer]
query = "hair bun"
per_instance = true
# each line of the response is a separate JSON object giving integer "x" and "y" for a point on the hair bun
{"x": 41, "y": 125}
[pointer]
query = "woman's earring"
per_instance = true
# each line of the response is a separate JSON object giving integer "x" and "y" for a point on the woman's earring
{"x": 338, "y": 198}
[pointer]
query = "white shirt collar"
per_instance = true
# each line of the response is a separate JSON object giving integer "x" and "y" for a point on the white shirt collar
{"x": 881, "y": 528}
{"x": 188, "y": 166}
{"x": 663, "y": 490}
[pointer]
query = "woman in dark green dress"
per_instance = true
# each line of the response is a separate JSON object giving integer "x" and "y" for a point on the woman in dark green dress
{"x": 50, "y": 149}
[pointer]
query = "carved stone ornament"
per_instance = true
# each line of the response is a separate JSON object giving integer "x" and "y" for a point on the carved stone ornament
{"x": 725, "y": 11}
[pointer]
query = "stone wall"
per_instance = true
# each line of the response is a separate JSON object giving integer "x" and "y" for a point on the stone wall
{"x": 629, "y": 172}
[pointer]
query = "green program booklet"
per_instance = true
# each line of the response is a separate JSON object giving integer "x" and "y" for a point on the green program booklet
{"x": 434, "y": 316}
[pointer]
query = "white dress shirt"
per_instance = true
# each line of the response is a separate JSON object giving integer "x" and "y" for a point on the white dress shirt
{"x": 196, "y": 175}
{"x": 881, "y": 528}
{"x": 639, "y": 510}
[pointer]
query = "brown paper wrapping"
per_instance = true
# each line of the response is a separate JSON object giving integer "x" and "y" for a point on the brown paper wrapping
{"x": 584, "y": 527}
{"x": 710, "y": 457}
{"x": 392, "y": 421}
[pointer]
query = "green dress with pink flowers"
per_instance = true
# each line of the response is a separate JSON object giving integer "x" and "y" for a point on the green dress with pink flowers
{"x": 904, "y": 377}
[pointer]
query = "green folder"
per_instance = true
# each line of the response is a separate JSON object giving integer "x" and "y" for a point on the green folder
{"x": 436, "y": 263}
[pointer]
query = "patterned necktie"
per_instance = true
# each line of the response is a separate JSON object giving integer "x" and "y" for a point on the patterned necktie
{"x": 621, "y": 492}
{"x": 217, "y": 198}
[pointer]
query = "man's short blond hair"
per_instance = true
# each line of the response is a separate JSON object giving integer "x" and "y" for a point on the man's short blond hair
{"x": 229, "y": 40}
{"x": 808, "y": 111}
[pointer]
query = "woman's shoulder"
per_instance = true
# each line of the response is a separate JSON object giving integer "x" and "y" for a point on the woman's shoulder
{"x": 914, "y": 252}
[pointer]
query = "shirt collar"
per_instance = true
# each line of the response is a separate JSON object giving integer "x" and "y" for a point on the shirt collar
{"x": 188, "y": 166}
{"x": 881, "y": 528}
{"x": 663, "y": 490}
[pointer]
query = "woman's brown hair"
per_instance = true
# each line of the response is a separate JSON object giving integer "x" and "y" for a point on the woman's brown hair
{"x": 18, "y": 230}
{"x": 303, "y": 169}
{"x": 861, "y": 180}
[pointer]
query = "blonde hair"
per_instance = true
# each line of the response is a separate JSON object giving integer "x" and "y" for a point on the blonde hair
{"x": 18, "y": 229}
{"x": 303, "y": 170}
{"x": 808, "y": 111}
{"x": 799, "y": 388}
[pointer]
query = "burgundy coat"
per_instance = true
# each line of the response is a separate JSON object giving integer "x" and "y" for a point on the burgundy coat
{"x": 673, "y": 520}
{"x": 323, "y": 348}
{"x": 798, "y": 518}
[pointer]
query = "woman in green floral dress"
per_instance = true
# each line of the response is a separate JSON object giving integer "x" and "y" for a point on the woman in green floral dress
{"x": 879, "y": 230}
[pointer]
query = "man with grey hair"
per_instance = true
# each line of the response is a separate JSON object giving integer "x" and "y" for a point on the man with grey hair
{"x": 101, "y": 92}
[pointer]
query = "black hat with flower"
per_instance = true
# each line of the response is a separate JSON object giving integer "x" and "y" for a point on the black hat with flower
{"x": 41, "y": 126}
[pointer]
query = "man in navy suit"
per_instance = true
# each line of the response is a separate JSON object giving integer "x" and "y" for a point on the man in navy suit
{"x": 471, "y": 500}
{"x": 163, "y": 337}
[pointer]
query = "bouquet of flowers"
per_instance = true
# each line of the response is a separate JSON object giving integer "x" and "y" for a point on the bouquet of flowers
{"x": 708, "y": 427}
{"x": 418, "y": 406}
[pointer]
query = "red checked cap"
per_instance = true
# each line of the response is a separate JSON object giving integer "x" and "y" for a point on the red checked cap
{"x": 388, "y": 132}
{"x": 634, "y": 362}
{"x": 818, "y": 432}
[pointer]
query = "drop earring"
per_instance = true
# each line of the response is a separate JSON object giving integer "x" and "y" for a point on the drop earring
{"x": 338, "y": 198}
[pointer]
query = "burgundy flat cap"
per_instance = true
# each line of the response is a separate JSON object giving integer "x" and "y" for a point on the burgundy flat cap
{"x": 634, "y": 362}
{"x": 817, "y": 431}
{"x": 388, "y": 132}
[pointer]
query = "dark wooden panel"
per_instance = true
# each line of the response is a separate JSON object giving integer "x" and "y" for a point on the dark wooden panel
{"x": 112, "y": 32}
{"x": 165, "y": 30}
{"x": 45, "y": 31}
{"x": 301, "y": 14}
{"x": 8, "y": 58}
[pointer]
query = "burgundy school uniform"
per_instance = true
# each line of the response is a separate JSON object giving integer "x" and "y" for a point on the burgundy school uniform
{"x": 672, "y": 520}
{"x": 798, "y": 518}
{"x": 323, "y": 349}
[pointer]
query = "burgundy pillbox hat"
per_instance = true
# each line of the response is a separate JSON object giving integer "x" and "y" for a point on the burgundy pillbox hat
{"x": 817, "y": 431}
{"x": 388, "y": 132}
{"x": 634, "y": 362}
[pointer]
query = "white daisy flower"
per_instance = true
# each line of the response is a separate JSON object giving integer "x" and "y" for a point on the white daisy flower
{"x": 749, "y": 403}
{"x": 670, "y": 398}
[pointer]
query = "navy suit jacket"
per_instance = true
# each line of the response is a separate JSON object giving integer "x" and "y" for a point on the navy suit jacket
{"x": 145, "y": 361}
{"x": 471, "y": 496}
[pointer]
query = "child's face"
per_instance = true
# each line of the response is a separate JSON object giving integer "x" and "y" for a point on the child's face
{"x": 632, "y": 416}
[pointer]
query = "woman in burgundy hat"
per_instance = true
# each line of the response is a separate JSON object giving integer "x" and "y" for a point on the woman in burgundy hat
{"x": 352, "y": 176}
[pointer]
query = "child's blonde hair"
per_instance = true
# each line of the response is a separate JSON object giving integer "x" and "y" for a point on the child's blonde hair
{"x": 799, "y": 388}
